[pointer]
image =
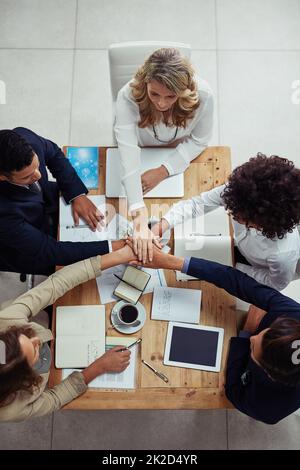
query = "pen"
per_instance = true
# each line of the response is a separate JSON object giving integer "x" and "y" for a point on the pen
{"x": 77, "y": 226}
{"x": 131, "y": 345}
{"x": 207, "y": 234}
{"x": 159, "y": 374}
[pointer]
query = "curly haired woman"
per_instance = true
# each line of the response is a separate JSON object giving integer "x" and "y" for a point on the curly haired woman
{"x": 263, "y": 198}
{"x": 164, "y": 105}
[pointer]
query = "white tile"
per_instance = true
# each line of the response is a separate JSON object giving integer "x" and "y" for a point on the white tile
{"x": 37, "y": 23}
{"x": 205, "y": 65}
{"x": 92, "y": 121}
{"x": 256, "y": 24}
{"x": 245, "y": 433}
{"x": 38, "y": 91}
{"x": 257, "y": 113}
{"x": 101, "y": 23}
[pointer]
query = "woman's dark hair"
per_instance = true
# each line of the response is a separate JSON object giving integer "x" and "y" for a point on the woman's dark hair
{"x": 265, "y": 192}
{"x": 277, "y": 351}
{"x": 15, "y": 152}
{"x": 16, "y": 374}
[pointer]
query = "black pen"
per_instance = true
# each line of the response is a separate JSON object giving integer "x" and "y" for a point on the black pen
{"x": 130, "y": 346}
{"x": 120, "y": 279}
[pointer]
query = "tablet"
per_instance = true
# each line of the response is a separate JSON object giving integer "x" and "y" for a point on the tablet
{"x": 194, "y": 346}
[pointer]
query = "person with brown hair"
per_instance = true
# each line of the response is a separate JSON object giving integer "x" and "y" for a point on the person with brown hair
{"x": 164, "y": 105}
{"x": 263, "y": 365}
{"x": 25, "y": 356}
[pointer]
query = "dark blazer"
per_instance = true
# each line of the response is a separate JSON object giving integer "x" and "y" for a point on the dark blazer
{"x": 248, "y": 386}
{"x": 25, "y": 241}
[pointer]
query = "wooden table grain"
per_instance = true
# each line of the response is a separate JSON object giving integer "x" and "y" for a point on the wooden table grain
{"x": 187, "y": 388}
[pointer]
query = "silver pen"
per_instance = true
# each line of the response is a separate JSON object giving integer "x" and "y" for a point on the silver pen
{"x": 207, "y": 234}
{"x": 77, "y": 226}
{"x": 159, "y": 374}
{"x": 130, "y": 346}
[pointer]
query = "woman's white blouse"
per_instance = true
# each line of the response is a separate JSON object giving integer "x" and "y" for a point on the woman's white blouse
{"x": 274, "y": 262}
{"x": 193, "y": 139}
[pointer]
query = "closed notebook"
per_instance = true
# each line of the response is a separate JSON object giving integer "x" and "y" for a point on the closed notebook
{"x": 132, "y": 285}
{"x": 80, "y": 335}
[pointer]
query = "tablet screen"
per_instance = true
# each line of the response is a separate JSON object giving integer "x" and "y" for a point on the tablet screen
{"x": 194, "y": 346}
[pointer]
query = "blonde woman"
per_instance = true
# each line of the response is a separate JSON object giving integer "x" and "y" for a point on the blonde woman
{"x": 164, "y": 105}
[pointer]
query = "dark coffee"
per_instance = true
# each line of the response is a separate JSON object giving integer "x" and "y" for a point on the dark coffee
{"x": 128, "y": 313}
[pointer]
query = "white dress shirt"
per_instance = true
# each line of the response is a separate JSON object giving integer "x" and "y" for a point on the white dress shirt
{"x": 273, "y": 261}
{"x": 192, "y": 140}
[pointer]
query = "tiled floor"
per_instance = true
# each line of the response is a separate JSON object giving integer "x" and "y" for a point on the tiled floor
{"x": 53, "y": 60}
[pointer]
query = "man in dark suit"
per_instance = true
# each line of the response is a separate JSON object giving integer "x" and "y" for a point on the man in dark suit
{"x": 29, "y": 206}
{"x": 263, "y": 365}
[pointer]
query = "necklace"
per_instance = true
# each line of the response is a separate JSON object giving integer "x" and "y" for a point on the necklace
{"x": 164, "y": 141}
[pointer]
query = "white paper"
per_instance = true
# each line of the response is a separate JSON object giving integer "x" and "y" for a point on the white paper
{"x": 125, "y": 379}
{"x": 176, "y": 304}
{"x": 173, "y": 186}
{"x": 117, "y": 228}
{"x": 293, "y": 290}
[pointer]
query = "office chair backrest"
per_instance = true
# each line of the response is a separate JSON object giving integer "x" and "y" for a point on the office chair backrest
{"x": 126, "y": 57}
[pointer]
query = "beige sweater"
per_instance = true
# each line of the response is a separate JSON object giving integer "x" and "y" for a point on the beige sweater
{"x": 19, "y": 313}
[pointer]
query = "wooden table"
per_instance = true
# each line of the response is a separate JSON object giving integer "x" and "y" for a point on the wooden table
{"x": 187, "y": 388}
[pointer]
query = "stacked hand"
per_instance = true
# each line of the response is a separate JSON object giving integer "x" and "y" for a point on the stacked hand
{"x": 143, "y": 240}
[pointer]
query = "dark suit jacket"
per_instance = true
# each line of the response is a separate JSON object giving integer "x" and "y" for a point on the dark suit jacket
{"x": 248, "y": 386}
{"x": 25, "y": 241}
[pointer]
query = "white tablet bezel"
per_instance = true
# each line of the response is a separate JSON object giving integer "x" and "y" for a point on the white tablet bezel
{"x": 188, "y": 365}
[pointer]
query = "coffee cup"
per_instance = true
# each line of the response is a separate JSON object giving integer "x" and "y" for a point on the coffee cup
{"x": 127, "y": 314}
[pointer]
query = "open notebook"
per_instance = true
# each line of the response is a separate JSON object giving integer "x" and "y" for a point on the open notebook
{"x": 206, "y": 237}
{"x": 125, "y": 379}
{"x": 150, "y": 158}
{"x": 80, "y": 335}
{"x": 132, "y": 285}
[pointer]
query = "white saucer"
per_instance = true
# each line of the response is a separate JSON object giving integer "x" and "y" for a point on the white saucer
{"x": 128, "y": 330}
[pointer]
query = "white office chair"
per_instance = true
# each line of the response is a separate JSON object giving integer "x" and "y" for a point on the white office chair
{"x": 126, "y": 57}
